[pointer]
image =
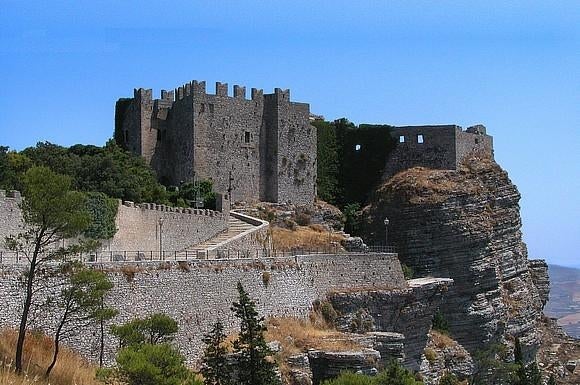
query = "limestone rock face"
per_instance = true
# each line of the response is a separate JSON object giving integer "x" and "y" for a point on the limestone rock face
{"x": 407, "y": 311}
{"x": 464, "y": 225}
{"x": 539, "y": 271}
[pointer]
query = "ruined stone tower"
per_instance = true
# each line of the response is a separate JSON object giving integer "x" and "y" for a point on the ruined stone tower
{"x": 262, "y": 148}
{"x": 441, "y": 147}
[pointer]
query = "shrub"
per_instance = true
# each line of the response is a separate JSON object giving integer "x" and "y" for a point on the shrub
{"x": 430, "y": 355}
{"x": 266, "y": 275}
{"x": 440, "y": 323}
{"x": 348, "y": 378}
{"x": 408, "y": 272}
{"x": 328, "y": 312}
{"x": 153, "y": 365}
{"x": 303, "y": 219}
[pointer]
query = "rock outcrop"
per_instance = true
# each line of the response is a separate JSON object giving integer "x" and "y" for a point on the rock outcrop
{"x": 408, "y": 311}
{"x": 464, "y": 225}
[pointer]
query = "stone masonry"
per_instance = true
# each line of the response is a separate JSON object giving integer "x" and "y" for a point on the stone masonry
{"x": 262, "y": 148}
{"x": 198, "y": 293}
{"x": 438, "y": 147}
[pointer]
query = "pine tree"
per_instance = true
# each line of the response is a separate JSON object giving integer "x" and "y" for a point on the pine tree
{"x": 215, "y": 368}
{"x": 253, "y": 365}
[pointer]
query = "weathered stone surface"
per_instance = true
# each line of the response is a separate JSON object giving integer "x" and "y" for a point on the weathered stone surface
{"x": 408, "y": 311}
{"x": 326, "y": 365}
{"x": 354, "y": 244}
{"x": 197, "y": 293}
{"x": 465, "y": 225}
{"x": 444, "y": 355}
{"x": 539, "y": 273}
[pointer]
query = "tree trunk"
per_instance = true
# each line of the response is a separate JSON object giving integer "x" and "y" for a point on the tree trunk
{"x": 27, "y": 303}
{"x": 55, "y": 355}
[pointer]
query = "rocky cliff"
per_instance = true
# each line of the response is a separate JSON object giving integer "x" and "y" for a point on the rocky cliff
{"x": 465, "y": 225}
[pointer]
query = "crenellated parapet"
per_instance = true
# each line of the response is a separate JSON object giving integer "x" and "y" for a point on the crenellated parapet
{"x": 171, "y": 209}
{"x": 253, "y": 147}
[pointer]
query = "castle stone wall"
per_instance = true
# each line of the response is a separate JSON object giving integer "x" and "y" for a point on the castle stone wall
{"x": 139, "y": 229}
{"x": 198, "y": 293}
{"x": 262, "y": 147}
{"x": 10, "y": 215}
{"x": 437, "y": 147}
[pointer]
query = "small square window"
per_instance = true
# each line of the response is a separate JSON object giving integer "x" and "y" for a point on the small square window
{"x": 402, "y": 139}
{"x": 420, "y": 138}
{"x": 476, "y": 140}
{"x": 201, "y": 107}
{"x": 357, "y": 147}
{"x": 247, "y": 137}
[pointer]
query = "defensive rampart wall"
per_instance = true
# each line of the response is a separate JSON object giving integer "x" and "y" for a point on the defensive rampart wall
{"x": 139, "y": 226}
{"x": 198, "y": 293}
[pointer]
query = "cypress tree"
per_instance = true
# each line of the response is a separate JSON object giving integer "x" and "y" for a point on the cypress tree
{"x": 215, "y": 368}
{"x": 254, "y": 367}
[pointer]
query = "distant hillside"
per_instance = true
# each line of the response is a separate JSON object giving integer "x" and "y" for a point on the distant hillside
{"x": 564, "y": 302}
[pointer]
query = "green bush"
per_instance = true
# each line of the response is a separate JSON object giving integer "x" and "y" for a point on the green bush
{"x": 149, "y": 364}
{"x": 440, "y": 323}
{"x": 408, "y": 272}
{"x": 155, "y": 329}
{"x": 348, "y": 378}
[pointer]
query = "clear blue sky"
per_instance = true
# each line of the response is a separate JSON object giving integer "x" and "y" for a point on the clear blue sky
{"x": 511, "y": 65}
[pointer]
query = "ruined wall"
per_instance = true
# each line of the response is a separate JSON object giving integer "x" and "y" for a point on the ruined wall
{"x": 436, "y": 147}
{"x": 10, "y": 215}
{"x": 198, "y": 293}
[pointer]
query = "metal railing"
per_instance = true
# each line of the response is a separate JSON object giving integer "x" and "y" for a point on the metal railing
{"x": 11, "y": 257}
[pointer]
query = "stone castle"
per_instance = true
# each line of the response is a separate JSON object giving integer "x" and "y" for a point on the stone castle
{"x": 440, "y": 147}
{"x": 257, "y": 149}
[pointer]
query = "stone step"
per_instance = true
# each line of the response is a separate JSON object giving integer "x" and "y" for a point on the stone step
{"x": 235, "y": 227}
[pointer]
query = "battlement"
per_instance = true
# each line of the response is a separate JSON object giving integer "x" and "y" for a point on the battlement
{"x": 171, "y": 209}
{"x": 10, "y": 194}
{"x": 142, "y": 94}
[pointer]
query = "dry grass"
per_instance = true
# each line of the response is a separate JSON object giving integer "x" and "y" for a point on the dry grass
{"x": 298, "y": 335}
{"x": 304, "y": 237}
{"x": 70, "y": 368}
{"x": 442, "y": 340}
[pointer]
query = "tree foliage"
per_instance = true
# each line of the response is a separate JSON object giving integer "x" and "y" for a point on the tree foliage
{"x": 254, "y": 365}
{"x": 51, "y": 212}
{"x": 215, "y": 369}
{"x": 351, "y": 160}
{"x": 80, "y": 302}
{"x": 103, "y": 211}
{"x": 155, "y": 329}
{"x": 394, "y": 374}
{"x": 150, "y": 364}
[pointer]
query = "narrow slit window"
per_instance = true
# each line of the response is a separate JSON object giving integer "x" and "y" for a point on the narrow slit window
{"x": 402, "y": 139}
{"x": 420, "y": 138}
{"x": 211, "y": 108}
{"x": 202, "y": 107}
{"x": 247, "y": 137}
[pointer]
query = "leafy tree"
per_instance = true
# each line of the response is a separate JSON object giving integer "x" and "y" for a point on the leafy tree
{"x": 215, "y": 367}
{"x": 103, "y": 211}
{"x": 51, "y": 212}
{"x": 149, "y": 364}
{"x": 80, "y": 302}
{"x": 552, "y": 380}
{"x": 254, "y": 368}
{"x": 492, "y": 366}
{"x": 155, "y": 329}
{"x": 395, "y": 374}
{"x": 348, "y": 378}
{"x": 351, "y": 218}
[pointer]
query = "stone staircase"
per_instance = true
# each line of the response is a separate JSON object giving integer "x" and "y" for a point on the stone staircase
{"x": 235, "y": 227}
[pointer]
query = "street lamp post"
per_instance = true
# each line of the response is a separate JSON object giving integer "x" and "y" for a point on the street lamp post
{"x": 386, "y": 222}
{"x": 160, "y": 238}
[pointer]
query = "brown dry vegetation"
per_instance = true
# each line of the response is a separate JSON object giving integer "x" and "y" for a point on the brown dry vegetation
{"x": 442, "y": 340}
{"x": 420, "y": 185}
{"x": 70, "y": 368}
{"x": 312, "y": 238}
